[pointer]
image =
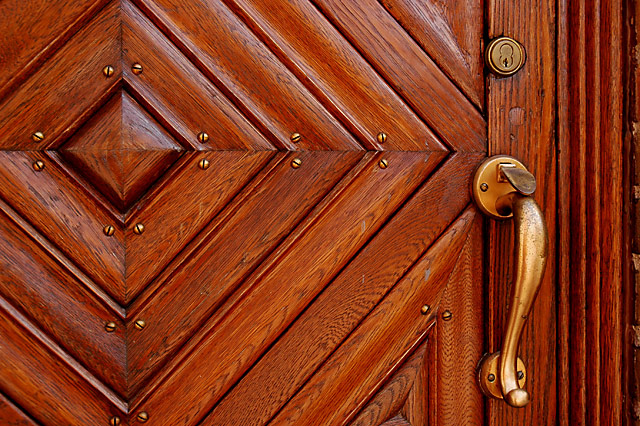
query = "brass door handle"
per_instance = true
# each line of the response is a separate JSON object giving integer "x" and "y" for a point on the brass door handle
{"x": 502, "y": 187}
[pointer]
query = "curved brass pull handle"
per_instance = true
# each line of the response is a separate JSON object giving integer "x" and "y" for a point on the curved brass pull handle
{"x": 501, "y": 189}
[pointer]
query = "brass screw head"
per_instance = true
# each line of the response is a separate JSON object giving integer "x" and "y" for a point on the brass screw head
{"x": 203, "y": 137}
{"x": 110, "y": 327}
{"x": 204, "y": 164}
{"x": 296, "y": 137}
{"x": 484, "y": 187}
{"x": 446, "y": 315}
{"x": 425, "y": 309}
{"x": 37, "y": 136}
{"x": 296, "y": 162}
{"x": 136, "y": 68}
{"x": 138, "y": 229}
{"x": 143, "y": 416}
{"x": 114, "y": 421}
{"x": 38, "y": 165}
{"x": 382, "y": 137}
{"x": 108, "y": 230}
{"x": 140, "y": 324}
{"x": 520, "y": 375}
{"x": 383, "y": 163}
{"x": 108, "y": 71}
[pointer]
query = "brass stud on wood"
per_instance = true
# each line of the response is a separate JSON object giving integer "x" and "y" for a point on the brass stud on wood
{"x": 484, "y": 187}
{"x": 491, "y": 378}
{"x": 38, "y": 165}
{"x": 447, "y": 315}
{"x": 108, "y": 230}
{"x": 37, "y": 136}
{"x": 383, "y": 163}
{"x": 140, "y": 324}
{"x": 382, "y": 137}
{"x": 296, "y": 137}
{"x": 114, "y": 421}
{"x": 110, "y": 327}
{"x": 108, "y": 71}
{"x": 204, "y": 164}
{"x": 143, "y": 416}
{"x": 203, "y": 137}
{"x": 136, "y": 69}
{"x": 425, "y": 309}
{"x": 138, "y": 229}
{"x": 296, "y": 162}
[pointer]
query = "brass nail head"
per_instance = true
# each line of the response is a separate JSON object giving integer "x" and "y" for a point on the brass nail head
{"x": 491, "y": 378}
{"x": 296, "y": 137}
{"x": 108, "y": 230}
{"x": 204, "y": 164}
{"x": 203, "y": 137}
{"x": 138, "y": 229}
{"x": 383, "y": 163}
{"x": 425, "y": 309}
{"x": 140, "y": 324}
{"x": 110, "y": 327}
{"x": 114, "y": 421}
{"x": 446, "y": 315}
{"x": 484, "y": 187}
{"x": 108, "y": 71}
{"x": 143, "y": 416}
{"x": 382, "y": 137}
{"x": 38, "y": 165}
{"x": 136, "y": 69}
{"x": 37, "y": 136}
{"x": 296, "y": 162}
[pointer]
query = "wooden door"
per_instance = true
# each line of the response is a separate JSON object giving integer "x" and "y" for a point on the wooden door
{"x": 252, "y": 212}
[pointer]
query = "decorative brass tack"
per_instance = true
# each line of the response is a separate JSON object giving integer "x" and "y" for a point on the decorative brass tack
{"x": 37, "y": 136}
{"x": 383, "y": 163}
{"x": 204, "y": 164}
{"x": 446, "y": 315}
{"x": 108, "y": 230}
{"x": 203, "y": 137}
{"x": 296, "y": 162}
{"x": 491, "y": 377}
{"x": 484, "y": 187}
{"x": 140, "y": 324}
{"x": 108, "y": 71}
{"x": 110, "y": 327}
{"x": 38, "y": 165}
{"x": 138, "y": 229}
{"x": 136, "y": 69}
{"x": 114, "y": 421}
{"x": 382, "y": 137}
{"x": 143, "y": 416}
{"x": 425, "y": 309}
{"x": 296, "y": 137}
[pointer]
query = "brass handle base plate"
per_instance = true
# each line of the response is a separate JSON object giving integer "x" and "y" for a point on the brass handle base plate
{"x": 488, "y": 186}
{"x": 489, "y": 378}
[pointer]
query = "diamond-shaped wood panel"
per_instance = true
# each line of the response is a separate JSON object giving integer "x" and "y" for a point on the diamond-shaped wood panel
{"x": 278, "y": 279}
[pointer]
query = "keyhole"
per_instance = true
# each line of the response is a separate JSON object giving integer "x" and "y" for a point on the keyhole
{"x": 506, "y": 55}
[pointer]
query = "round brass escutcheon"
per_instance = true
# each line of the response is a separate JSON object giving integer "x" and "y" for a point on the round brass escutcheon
{"x": 488, "y": 374}
{"x": 487, "y": 188}
{"x": 505, "y": 56}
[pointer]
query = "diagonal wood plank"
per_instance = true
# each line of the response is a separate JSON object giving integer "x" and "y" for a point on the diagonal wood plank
{"x": 80, "y": 61}
{"x": 184, "y": 98}
{"x": 345, "y": 226}
{"x": 335, "y": 72}
{"x": 351, "y": 296}
{"x": 242, "y": 241}
{"x": 248, "y": 73}
{"x": 362, "y": 364}
{"x": 11, "y": 415}
{"x": 33, "y": 282}
{"x": 385, "y": 44}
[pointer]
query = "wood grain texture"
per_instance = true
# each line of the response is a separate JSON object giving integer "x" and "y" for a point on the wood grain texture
{"x": 448, "y": 32}
{"x": 248, "y": 73}
{"x": 521, "y": 124}
{"x": 10, "y": 415}
{"x": 74, "y": 72}
{"x": 336, "y": 73}
{"x": 405, "y": 66}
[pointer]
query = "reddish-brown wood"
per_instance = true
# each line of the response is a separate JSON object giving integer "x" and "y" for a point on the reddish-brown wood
{"x": 12, "y": 415}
